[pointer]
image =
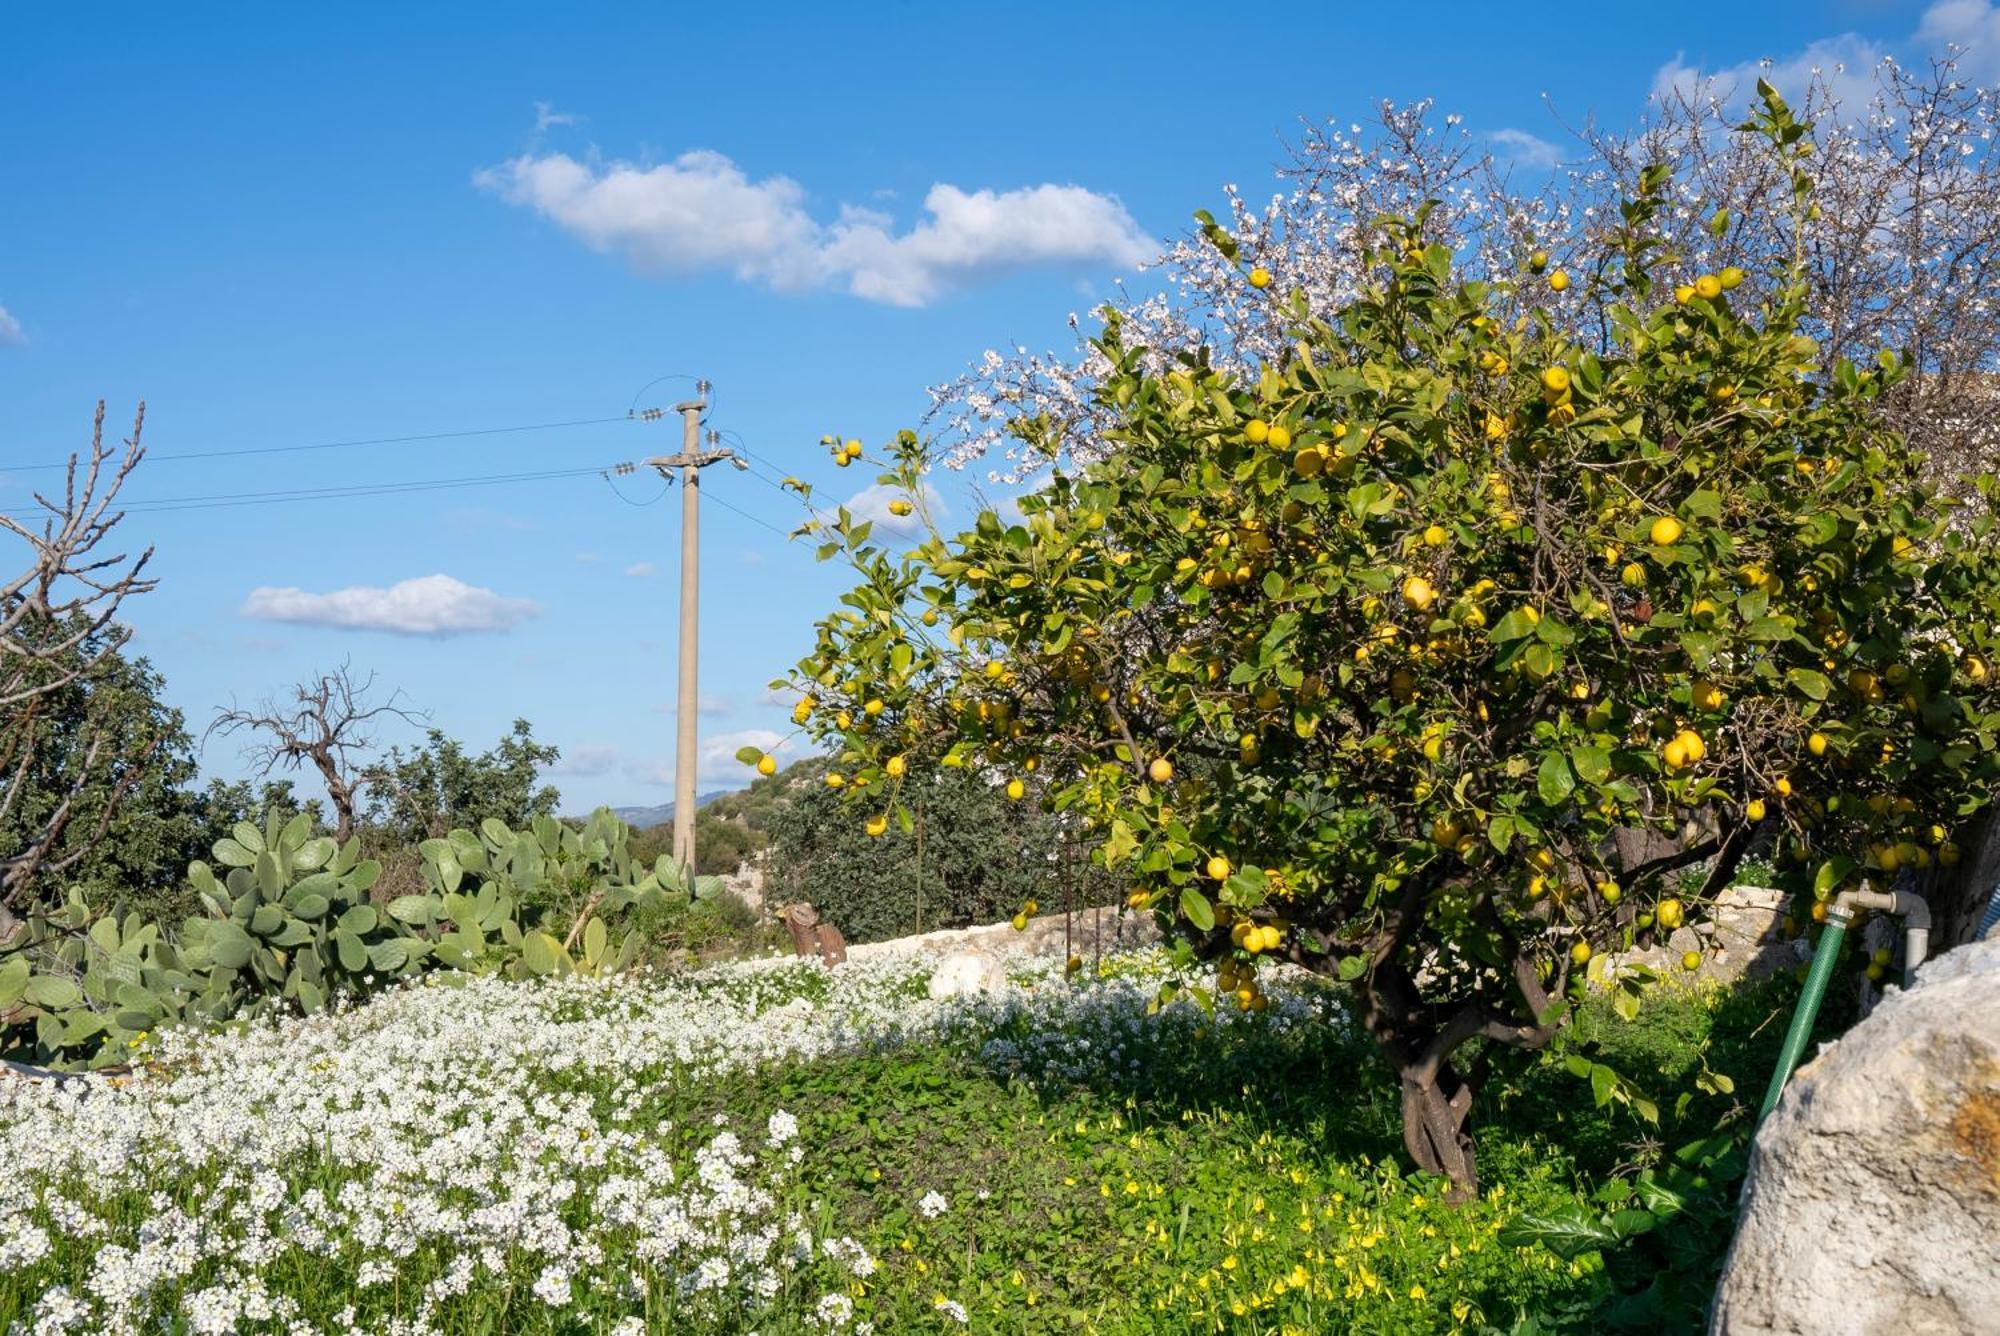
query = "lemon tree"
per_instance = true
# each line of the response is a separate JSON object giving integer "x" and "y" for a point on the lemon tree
{"x": 1424, "y": 656}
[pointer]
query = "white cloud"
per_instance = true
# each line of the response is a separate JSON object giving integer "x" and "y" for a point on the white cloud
{"x": 11, "y": 333}
{"x": 872, "y": 504}
{"x": 432, "y": 605}
{"x": 588, "y": 762}
{"x": 642, "y": 570}
{"x": 546, "y": 116}
{"x": 710, "y": 707}
{"x": 1973, "y": 25}
{"x": 588, "y": 558}
{"x": 702, "y": 212}
{"x": 716, "y": 765}
{"x": 1528, "y": 150}
{"x": 1846, "y": 61}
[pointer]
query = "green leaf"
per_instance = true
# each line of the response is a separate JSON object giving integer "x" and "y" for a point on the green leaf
{"x": 1809, "y": 682}
{"x": 51, "y": 993}
{"x": 594, "y": 939}
{"x": 312, "y": 906}
{"x": 228, "y": 945}
{"x": 1831, "y": 873}
{"x": 1593, "y": 764}
{"x": 1352, "y": 967}
{"x": 231, "y": 853}
{"x": 1516, "y": 625}
{"x": 1197, "y": 909}
{"x": 749, "y": 755}
{"x": 352, "y": 951}
{"x": 1703, "y": 504}
{"x": 13, "y": 982}
{"x": 390, "y": 956}
{"x": 1568, "y": 1233}
{"x": 1554, "y": 781}
{"x": 414, "y": 909}
{"x": 1120, "y": 844}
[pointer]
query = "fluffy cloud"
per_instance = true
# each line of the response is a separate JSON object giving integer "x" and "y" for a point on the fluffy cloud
{"x": 872, "y": 504}
{"x": 641, "y": 570}
{"x": 11, "y": 333}
{"x": 1847, "y": 61}
{"x": 701, "y": 212}
{"x": 432, "y": 605}
{"x": 716, "y": 765}
{"x": 1528, "y": 150}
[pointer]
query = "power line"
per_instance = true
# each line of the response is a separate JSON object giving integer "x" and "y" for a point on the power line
{"x": 215, "y": 501}
{"x": 748, "y": 516}
{"x": 152, "y": 458}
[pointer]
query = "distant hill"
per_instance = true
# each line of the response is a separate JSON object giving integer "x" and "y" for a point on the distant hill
{"x": 645, "y": 818}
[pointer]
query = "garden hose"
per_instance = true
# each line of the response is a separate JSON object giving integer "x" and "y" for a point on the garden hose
{"x": 1824, "y": 956}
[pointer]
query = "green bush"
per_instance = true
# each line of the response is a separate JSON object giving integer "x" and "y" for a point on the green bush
{"x": 969, "y": 856}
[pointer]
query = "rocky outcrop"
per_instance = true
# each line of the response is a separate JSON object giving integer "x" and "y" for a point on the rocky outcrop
{"x": 1873, "y": 1201}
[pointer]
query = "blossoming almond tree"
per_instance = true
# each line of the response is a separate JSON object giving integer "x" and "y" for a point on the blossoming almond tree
{"x": 1373, "y": 657}
{"x": 1902, "y": 249}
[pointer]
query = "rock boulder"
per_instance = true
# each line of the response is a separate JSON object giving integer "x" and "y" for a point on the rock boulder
{"x": 1873, "y": 1201}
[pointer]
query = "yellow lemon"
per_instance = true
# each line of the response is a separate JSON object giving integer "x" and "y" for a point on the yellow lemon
{"x": 1556, "y": 380}
{"x": 877, "y": 826}
{"x": 1816, "y": 744}
{"x": 1279, "y": 437}
{"x": 1256, "y": 431}
{"x": 1668, "y": 912}
{"x": 1016, "y": 790}
{"x": 1708, "y": 287}
{"x": 1580, "y": 953}
{"x": 1666, "y": 531}
{"x": 1730, "y": 278}
{"x": 897, "y": 767}
{"x": 1754, "y": 809}
{"x": 1558, "y": 281}
{"x": 1260, "y": 277}
{"x": 900, "y": 507}
{"x": 1417, "y": 592}
{"x": 1161, "y": 770}
{"x": 767, "y": 764}
{"x": 1691, "y": 961}
{"x": 1218, "y": 868}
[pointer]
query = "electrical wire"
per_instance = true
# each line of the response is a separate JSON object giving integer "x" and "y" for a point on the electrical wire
{"x": 217, "y": 501}
{"x": 745, "y": 514}
{"x": 152, "y": 458}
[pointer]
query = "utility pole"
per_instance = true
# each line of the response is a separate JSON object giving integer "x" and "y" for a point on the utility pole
{"x": 690, "y": 461}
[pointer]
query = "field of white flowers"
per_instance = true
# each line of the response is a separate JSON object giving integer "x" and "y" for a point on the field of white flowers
{"x": 475, "y": 1155}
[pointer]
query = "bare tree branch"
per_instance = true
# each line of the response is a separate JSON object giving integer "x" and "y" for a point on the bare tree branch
{"x": 326, "y": 724}
{"x": 57, "y": 628}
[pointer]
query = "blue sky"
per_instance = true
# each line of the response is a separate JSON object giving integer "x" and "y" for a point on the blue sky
{"x": 284, "y": 226}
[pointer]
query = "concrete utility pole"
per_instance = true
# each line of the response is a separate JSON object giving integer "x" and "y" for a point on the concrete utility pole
{"x": 690, "y": 461}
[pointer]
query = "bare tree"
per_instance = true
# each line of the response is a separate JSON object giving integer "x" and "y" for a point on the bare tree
{"x": 57, "y": 629}
{"x": 327, "y": 722}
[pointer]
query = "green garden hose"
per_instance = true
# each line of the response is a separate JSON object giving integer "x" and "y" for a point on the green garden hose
{"x": 1824, "y": 955}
